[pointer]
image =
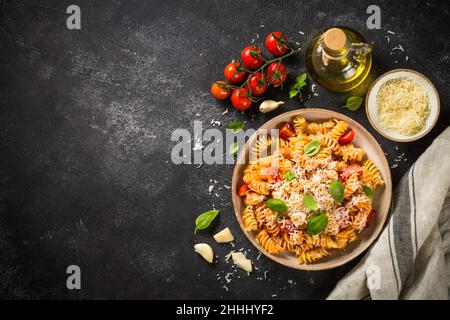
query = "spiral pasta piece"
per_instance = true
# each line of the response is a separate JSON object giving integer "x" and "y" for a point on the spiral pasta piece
{"x": 349, "y": 153}
{"x": 249, "y": 220}
{"x": 267, "y": 242}
{"x": 371, "y": 175}
{"x": 339, "y": 129}
{"x": 300, "y": 124}
{"x": 312, "y": 255}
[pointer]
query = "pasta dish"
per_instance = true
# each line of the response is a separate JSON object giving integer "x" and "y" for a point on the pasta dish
{"x": 309, "y": 190}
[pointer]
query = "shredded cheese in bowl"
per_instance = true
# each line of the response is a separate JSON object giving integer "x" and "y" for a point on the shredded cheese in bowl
{"x": 403, "y": 106}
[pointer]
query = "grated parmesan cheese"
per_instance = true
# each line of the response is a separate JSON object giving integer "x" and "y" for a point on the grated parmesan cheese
{"x": 403, "y": 106}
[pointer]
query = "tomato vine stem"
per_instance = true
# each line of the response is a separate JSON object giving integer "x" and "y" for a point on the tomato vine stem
{"x": 267, "y": 62}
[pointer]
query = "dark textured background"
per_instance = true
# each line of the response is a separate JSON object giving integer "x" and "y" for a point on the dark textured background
{"x": 86, "y": 118}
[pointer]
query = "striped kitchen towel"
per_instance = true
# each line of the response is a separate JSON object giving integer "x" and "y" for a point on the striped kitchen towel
{"x": 411, "y": 257}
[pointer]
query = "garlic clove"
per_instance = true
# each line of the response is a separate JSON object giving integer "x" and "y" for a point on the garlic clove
{"x": 269, "y": 105}
{"x": 205, "y": 251}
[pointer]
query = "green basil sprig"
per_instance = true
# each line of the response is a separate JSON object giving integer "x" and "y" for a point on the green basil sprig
{"x": 312, "y": 148}
{"x": 235, "y": 126}
{"x": 337, "y": 191}
{"x": 234, "y": 147}
{"x": 276, "y": 205}
{"x": 289, "y": 176}
{"x": 309, "y": 202}
{"x": 300, "y": 82}
{"x": 204, "y": 220}
{"x": 368, "y": 192}
{"x": 353, "y": 103}
{"x": 317, "y": 223}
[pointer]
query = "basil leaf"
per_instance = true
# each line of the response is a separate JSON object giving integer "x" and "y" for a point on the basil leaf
{"x": 276, "y": 205}
{"x": 234, "y": 147}
{"x": 293, "y": 93}
{"x": 309, "y": 202}
{"x": 299, "y": 83}
{"x": 368, "y": 192}
{"x": 312, "y": 148}
{"x": 353, "y": 103}
{"x": 337, "y": 191}
{"x": 236, "y": 126}
{"x": 204, "y": 220}
{"x": 289, "y": 176}
{"x": 317, "y": 223}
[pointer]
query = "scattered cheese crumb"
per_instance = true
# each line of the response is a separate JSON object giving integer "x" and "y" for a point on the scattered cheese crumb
{"x": 241, "y": 261}
{"x": 211, "y": 188}
{"x": 226, "y": 111}
{"x": 215, "y": 123}
{"x": 225, "y": 287}
{"x": 391, "y": 32}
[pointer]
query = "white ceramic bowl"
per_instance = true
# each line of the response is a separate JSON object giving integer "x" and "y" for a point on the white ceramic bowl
{"x": 381, "y": 200}
{"x": 423, "y": 82}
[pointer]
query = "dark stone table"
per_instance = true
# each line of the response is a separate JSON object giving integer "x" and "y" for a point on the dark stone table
{"x": 86, "y": 119}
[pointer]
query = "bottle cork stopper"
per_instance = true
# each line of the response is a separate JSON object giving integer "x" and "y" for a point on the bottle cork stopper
{"x": 335, "y": 39}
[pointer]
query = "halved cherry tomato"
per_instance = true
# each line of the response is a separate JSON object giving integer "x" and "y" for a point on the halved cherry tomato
{"x": 276, "y": 73}
{"x": 251, "y": 57}
{"x": 277, "y": 177}
{"x": 257, "y": 84}
{"x": 276, "y": 43}
{"x": 347, "y": 137}
{"x": 220, "y": 90}
{"x": 287, "y": 130}
{"x": 242, "y": 191}
{"x": 234, "y": 72}
{"x": 240, "y": 99}
{"x": 345, "y": 173}
{"x": 370, "y": 217}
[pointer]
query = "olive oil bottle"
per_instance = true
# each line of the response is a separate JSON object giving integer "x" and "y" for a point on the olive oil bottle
{"x": 339, "y": 59}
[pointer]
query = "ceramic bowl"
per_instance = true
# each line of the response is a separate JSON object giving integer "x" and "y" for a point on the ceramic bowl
{"x": 423, "y": 82}
{"x": 381, "y": 202}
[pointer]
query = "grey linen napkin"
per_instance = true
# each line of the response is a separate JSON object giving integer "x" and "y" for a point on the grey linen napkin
{"x": 411, "y": 257}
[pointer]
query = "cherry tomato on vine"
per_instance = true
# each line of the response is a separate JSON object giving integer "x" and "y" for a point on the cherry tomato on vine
{"x": 240, "y": 99}
{"x": 287, "y": 130}
{"x": 234, "y": 72}
{"x": 242, "y": 192}
{"x": 251, "y": 57}
{"x": 257, "y": 83}
{"x": 276, "y": 43}
{"x": 347, "y": 137}
{"x": 345, "y": 173}
{"x": 220, "y": 90}
{"x": 276, "y": 73}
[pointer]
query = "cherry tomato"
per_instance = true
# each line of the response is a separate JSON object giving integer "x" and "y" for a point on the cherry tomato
{"x": 276, "y": 73}
{"x": 370, "y": 217}
{"x": 277, "y": 177}
{"x": 220, "y": 90}
{"x": 251, "y": 57}
{"x": 287, "y": 130}
{"x": 276, "y": 43}
{"x": 242, "y": 191}
{"x": 345, "y": 173}
{"x": 234, "y": 72}
{"x": 347, "y": 137}
{"x": 257, "y": 83}
{"x": 240, "y": 99}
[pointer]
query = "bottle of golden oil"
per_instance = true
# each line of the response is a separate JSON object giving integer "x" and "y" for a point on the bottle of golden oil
{"x": 339, "y": 59}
